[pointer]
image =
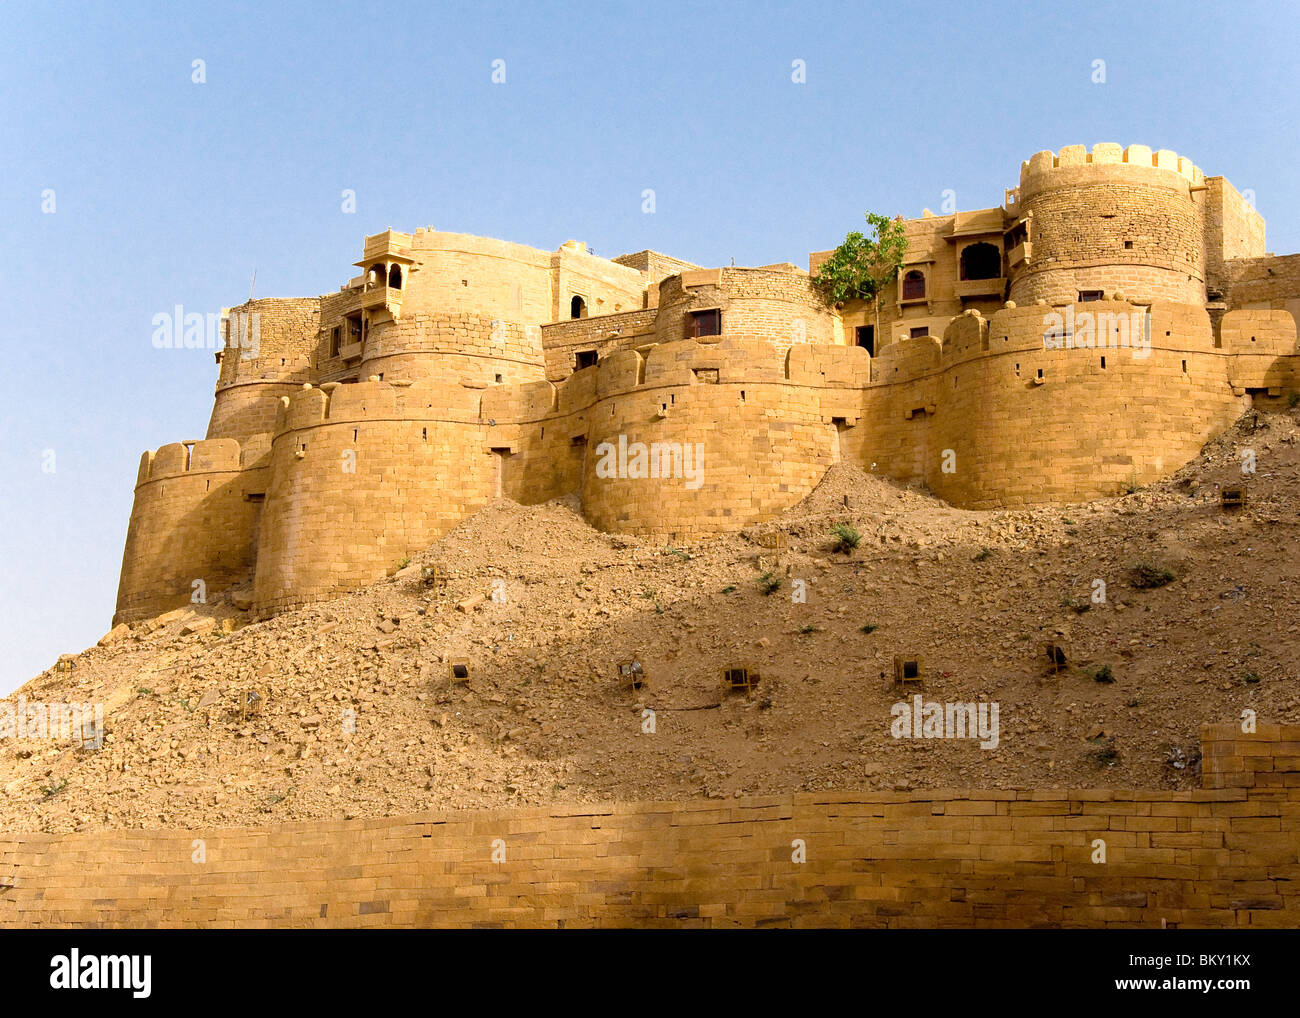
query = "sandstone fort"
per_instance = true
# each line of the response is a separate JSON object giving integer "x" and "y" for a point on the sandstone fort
{"x": 1116, "y": 312}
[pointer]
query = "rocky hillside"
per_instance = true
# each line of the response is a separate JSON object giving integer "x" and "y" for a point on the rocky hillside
{"x": 347, "y": 709}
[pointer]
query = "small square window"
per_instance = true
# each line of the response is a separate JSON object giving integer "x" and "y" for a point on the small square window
{"x": 1087, "y": 296}
{"x": 586, "y": 359}
{"x": 706, "y": 323}
{"x": 919, "y": 331}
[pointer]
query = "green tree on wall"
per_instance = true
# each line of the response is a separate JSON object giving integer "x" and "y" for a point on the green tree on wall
{"x": 862, "y": 266}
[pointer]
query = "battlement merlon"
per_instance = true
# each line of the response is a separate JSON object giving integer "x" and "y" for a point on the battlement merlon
{"x": 1037, "y": 171}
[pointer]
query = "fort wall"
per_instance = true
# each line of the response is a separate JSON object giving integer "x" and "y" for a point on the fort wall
{"x": 1233, "y": 231}
{"x": 503, "y": 370}
{"x": 734, "y": 429}
{"x": 1030, "y": 425}
{"x": 737, "y": 449}
{"x": 1224, "y": 856}
{"x": 195, "y": 517}
{"x": 363, "y": 476}
{"x": 469, "y": 349}
{"x": 1265, "y": 283}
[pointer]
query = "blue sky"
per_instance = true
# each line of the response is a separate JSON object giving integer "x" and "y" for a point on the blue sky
{"x": 169, "y": 192}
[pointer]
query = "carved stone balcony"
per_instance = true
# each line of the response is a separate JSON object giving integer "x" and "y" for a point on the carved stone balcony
{"x": 369, "y": 296}
{"x": 995, "y": 287}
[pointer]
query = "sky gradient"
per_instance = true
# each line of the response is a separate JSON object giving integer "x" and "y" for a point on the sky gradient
{"x": 169, "y": 192}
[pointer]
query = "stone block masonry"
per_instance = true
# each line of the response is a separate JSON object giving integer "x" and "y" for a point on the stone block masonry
{"x": 1223, "y": 857}
{"x": 456, "y": 369}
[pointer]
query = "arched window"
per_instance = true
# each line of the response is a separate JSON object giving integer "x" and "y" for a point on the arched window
{"x": 914, "y": 285}
{"x": 376, "y": 275}
{"x": 395, "y": 277}
{"x": 981, "y": 261}
{"x": 577, "y": 307}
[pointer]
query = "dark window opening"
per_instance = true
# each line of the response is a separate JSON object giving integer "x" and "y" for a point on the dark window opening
{"x": 920, "y": 330}
{"x": 336, "y": 337}
{"x": 1087, "y": 296}
{"x": 498, "y": 378}
{"x": 256, "y": 496}
{"x": 866, "y": 338}
{"x": 981, "y": 261}
{"x": 706, "y": 323}
{"x": 585, "y": 359}
{"x": 395, "y": 277}
{"x": 577, "y": 308}
{"x": 1128, "y": 245}
{"x": 914, "y": 285}
{"x": 377, "y": 275}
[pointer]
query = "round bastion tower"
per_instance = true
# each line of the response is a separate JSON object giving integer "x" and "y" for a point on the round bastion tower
{"x": 448, "y": 306}
{"x": 1113, "y": 220}
{"x": 267, "y": 354}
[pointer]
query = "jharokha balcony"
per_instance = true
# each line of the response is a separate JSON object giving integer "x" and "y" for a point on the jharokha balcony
{"x": 363, "y": 294}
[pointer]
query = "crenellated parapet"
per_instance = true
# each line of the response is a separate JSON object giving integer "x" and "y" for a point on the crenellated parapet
{"x": 1106, "y": 161}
